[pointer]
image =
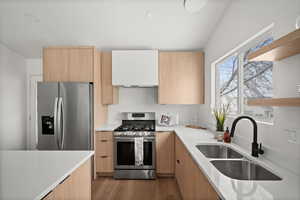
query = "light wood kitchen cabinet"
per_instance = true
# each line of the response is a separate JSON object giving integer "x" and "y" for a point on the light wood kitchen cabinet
{"x": 81, "y": 182}
{"x": 55, "y": 64}
{"x": 165, "y": 153}
{"x": 104, "y": 153}
{"x": 64, "y": 190}
{"x": 69, "y": 64}
{"x": 191, "y": 181}
{"x": 100, "y": 110}
{"x": 76, "y": 186}
{"x": 181, "y": 78}
{"x": 81, "y": 65}
{"x": 110, "y": 93}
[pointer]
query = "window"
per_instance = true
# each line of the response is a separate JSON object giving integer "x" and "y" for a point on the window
{"x": 227, "y": 76}
{"x": 238, "y": 80}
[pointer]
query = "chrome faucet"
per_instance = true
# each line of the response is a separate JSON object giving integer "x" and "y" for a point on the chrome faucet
{"x": 255, "y": 149}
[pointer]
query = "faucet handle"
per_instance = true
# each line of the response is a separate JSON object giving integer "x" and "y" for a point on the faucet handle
{"x": 260, "y": 150}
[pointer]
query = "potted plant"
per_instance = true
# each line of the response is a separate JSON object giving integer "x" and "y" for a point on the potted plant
{"x": 220, "y": 115}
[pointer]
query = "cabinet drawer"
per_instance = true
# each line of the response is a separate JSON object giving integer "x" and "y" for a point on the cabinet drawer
{"x": 104, "y": 136}
{"x": 104, "y": 164}
{"x": 104, "y": 148}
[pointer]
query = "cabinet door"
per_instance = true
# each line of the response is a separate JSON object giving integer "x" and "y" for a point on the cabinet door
{"x": 179, "y": 165}
{"x": 81, "y": 182}
{"x": 203, "y": 189}
{"x": 165, "y": 152}
{"x": 100, "y": 110}
{"x": 64, "y": 190}
{"x": 77, "y": 186}
{"x": 81, "y": 64}
{"x": 191, "y": 181}
{"x": 110, "y": 94}
{"x": 181, "y": 78}
{"x": 55, "y": 64}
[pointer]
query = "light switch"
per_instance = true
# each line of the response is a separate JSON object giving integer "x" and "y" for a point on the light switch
{"x": 293, "y": 136}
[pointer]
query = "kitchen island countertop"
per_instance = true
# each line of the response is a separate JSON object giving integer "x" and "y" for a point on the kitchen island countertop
{"x": 30, "y": 175}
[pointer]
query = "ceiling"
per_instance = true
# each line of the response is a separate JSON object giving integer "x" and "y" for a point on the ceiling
{"x": 28, "y": 25}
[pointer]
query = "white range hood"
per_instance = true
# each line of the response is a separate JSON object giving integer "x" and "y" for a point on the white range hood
{"x": 135, "y": 68}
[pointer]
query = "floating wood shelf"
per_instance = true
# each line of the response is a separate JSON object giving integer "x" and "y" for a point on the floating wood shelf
{"x": 284, "y": 47}
{"x": 275, "y": 102}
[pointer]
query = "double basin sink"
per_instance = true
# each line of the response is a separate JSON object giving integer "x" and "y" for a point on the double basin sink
{"x": 234, "y": 165}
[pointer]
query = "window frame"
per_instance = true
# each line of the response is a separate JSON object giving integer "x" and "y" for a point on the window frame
{"x": 240, "y": 52}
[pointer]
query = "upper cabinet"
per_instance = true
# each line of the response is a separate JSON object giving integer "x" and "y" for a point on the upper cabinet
{"x": 110, "y": 93}
{"x": 135, "y": 68}
{"x": 181, "y": 78}
{"x": 74, "y": 64}
{"x": 55, "y": 64}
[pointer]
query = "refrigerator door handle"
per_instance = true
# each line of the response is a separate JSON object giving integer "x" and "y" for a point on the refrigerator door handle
{"x": 62, "y": 129}
{"x": 60, "y": 124}
{"x": 55, "y": 121}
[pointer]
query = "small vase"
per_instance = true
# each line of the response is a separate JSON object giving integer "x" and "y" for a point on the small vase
{"x": 219, "y": 135}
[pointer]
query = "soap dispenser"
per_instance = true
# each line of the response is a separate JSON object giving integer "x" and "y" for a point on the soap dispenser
{"x": 227, "y": 138}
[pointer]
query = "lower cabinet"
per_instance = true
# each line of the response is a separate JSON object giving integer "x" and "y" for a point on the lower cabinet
{"x": 104, "y": 153}
{"x": 76, "y": 186}
{"x": 192, "y": 183}
{"x": 165, "y": 153}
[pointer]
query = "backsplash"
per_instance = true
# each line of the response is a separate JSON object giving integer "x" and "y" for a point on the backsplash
{"x": 145, "y": 100}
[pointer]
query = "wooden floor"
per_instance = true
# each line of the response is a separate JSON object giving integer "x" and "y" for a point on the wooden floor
{"x": 159, "y": 189}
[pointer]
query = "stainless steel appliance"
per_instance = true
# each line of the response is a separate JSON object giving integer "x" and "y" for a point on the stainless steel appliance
{"x": 65, "y": 116}
{"x": 136, "y": 125}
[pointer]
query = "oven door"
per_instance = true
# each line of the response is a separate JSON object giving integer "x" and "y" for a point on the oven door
{"x": 124, "y": 153}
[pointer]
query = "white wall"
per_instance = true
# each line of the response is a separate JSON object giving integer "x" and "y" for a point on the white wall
{"x": 12, "y": 100}
{"x": 242, "y": 20}
{"x": 145, "y": 100}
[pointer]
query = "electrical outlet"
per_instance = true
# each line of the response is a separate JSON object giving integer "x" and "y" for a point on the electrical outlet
{"x": 293, "y": 136}
{"x": 298, "y": 88}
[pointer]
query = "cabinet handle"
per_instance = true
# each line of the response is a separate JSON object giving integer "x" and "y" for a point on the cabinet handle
{"x": 104, "y": 156}
{"x": 103, "y": 140}
{"x": 178, "y": 161}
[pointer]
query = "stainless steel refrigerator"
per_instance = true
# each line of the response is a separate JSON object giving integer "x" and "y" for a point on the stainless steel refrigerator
{"x": 65, "y": 116}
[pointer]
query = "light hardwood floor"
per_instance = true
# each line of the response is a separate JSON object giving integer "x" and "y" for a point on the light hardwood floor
{"x": 159, "y": 189}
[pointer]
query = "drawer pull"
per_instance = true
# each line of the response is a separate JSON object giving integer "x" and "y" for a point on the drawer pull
{"x": 103, "y": 156}
{"x": 103, "y": 140}
{"x": 178, "y": 161}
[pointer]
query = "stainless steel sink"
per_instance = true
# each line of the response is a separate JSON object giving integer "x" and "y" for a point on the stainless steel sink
{"x": 218, "y": 151}
{"x": 244, "y": 170}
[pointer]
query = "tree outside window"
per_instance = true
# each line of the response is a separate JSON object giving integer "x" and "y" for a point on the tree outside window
{"x": 238, "y": 80}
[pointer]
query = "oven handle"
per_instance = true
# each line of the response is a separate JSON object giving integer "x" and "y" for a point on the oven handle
{"x": 132, "y": 139}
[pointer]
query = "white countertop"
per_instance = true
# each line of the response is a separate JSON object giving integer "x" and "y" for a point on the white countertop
{"x": 231, "y": 189}
{"x": 30, "y": 175}
{"x": 164, "y": 128}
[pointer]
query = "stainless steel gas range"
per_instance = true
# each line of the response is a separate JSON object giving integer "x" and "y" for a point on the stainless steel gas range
{"x": 134, "y": 147}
